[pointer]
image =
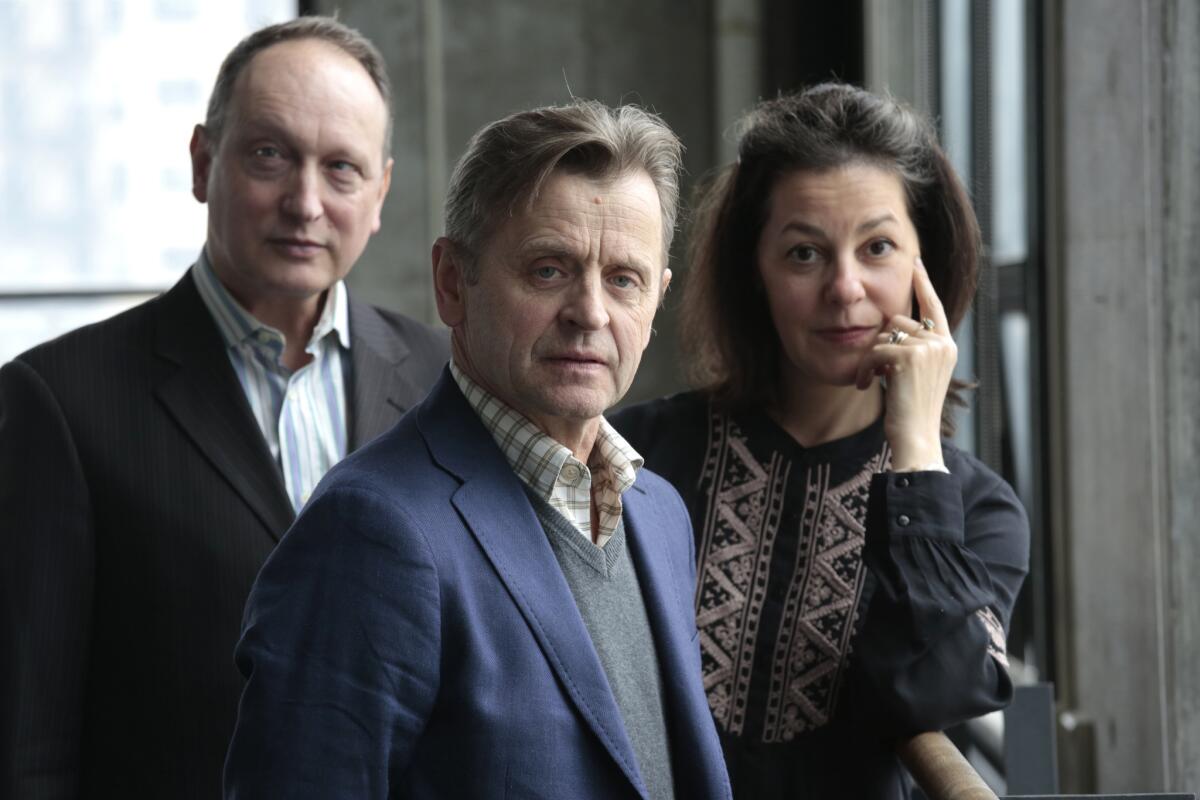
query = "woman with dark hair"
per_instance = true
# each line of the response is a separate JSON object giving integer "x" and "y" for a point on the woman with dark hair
{"x": 856, "y": 573}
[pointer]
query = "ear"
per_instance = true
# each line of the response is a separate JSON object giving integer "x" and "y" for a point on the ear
{"x": 449, "y": 283}
{"x": 201, "y": 148}
{"x": 384, "y": 185}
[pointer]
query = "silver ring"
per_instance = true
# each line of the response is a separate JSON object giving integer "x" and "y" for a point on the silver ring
{"x": 897, "y": 336}
{"x": 928, "y": 324}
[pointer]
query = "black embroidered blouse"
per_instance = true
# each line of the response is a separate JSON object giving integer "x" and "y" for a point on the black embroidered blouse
{"x": 840, "y": 606}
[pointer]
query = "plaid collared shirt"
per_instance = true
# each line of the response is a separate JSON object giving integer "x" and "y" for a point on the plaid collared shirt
{"x": 551, "y": 470}
{"x": 302, "y": 414}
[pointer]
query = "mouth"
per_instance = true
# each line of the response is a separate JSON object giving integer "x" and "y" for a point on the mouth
{"x": 576, "y": 360}
{"x": 848, "y": 334}
{"x": 296, "y": 246}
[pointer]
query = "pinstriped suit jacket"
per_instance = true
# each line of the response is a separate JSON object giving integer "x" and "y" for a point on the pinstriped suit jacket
{"x": 137, "y": 502}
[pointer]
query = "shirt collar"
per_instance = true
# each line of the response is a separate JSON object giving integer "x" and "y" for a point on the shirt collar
{"x": 238, "y": 325}
{"x": 535, "y": 456}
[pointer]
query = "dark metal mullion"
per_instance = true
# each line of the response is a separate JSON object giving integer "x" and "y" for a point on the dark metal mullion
{"x": 1041, "y": 574}
{"x": 988, "y": 401}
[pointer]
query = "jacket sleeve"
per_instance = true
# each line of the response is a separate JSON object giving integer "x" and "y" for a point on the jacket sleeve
{"x": 340, "y": 648}
{"x": 947, "y": 553}
{"x": 46, "y": 580}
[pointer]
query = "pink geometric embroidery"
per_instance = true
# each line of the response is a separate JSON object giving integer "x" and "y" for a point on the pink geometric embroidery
{"x": 742, "y": 519}
{"x": 997, "y": 644}
{"x": 822, "y": 604}
{"x": 745, "y": 498}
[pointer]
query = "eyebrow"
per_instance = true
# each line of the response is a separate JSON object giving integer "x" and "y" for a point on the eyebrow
{"x": 875, "y": 222}
{"x": 554, "y": 248}
{"x": 813, "y": 230}
{"x": 269, "y": 127}
{"x": 546, "y": 247}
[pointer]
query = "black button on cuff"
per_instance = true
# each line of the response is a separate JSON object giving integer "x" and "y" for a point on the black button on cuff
{"x": 902, "y": 481}
{"x": 903, "y": 520}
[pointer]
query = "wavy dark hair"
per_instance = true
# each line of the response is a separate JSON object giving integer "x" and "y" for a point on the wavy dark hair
{"x": 732, "y": 347}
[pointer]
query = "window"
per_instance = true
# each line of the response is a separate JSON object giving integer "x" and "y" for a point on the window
{"x": 97, "y": 104}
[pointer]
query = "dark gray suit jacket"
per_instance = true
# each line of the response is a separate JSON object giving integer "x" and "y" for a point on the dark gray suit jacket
{"x": 138, "y": 500}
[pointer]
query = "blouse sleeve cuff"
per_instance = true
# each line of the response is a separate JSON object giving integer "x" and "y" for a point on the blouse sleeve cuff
{"x": 916, "y": 504}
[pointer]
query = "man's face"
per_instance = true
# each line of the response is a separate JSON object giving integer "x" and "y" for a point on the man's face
{"x": 560, "y": 314}
{"x": 295, "y": 186}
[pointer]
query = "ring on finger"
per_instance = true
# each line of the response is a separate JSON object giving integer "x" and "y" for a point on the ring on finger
{"x": 897, "y": 336}
{"x": 928, "y": 324}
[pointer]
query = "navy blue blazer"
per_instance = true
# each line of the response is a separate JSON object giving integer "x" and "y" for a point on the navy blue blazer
{"x": 413, "y": 636}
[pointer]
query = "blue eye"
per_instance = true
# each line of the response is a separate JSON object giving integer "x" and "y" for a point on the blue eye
{"x": 623, "y": 281}
{"x": 546, "y": 272}
{"x": 267, "y": 151}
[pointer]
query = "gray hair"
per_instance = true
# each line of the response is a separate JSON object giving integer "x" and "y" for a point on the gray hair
{"x": 325, "y": 29}
{"x": 508, "y": 161}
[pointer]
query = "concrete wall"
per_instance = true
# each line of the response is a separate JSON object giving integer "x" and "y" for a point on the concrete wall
{"x": 458, "y": 64}
{"x": 1124, "y": 123}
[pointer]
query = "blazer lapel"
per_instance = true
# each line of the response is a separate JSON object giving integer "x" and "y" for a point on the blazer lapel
{"x": 202, "y": 393}
{"x": 500, "y": 517}
{"x": 380, "y": 389}
{"x": 667, "y": 592}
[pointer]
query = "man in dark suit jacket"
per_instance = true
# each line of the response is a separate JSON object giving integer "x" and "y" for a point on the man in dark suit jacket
{"x": 147, "y": 463}
{"x": 493, "y": 599}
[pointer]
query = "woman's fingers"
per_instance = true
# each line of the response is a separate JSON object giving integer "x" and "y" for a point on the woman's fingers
{"x": 879, "y": 360}
{"x": 929, "y": 305}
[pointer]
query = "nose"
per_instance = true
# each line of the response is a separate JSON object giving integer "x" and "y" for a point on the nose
{"x": 302, "y": 197}
{"x": 844, "y": 286}
{"x": 585, "y": 304}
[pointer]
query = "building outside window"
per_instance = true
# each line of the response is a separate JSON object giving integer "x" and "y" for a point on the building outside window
{"x": 97, "y": 105}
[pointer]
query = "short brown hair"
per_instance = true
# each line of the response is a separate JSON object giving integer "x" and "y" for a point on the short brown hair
{"x": 507, "y": 162}
{"x": 733, "y": 347}
{"x": 325, "y": 29}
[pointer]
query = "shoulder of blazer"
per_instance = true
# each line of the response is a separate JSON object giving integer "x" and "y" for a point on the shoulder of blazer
{"x": 398, "y": 338}
{"x": 117, "y": 346}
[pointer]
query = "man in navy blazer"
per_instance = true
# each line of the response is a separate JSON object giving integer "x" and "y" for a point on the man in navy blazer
{"x": 493, "y": 599}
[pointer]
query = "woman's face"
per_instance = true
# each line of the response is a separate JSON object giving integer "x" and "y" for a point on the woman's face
{"x": 836, "y": 262}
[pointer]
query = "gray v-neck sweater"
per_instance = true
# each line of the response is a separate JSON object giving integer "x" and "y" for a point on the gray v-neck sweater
{"x": 606, "y": 590}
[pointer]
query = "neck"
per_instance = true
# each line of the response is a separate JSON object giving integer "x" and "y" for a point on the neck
{"x": 577, "y": 435}
{"x": 295, "y": 319}
{"x": 814, "y": 414}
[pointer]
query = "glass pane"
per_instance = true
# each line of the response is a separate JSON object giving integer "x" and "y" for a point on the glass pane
{"x": 1010, "y": 241}
{"x": 25, "y": 322}
{"x": 97, "y": 105}
{"x": 955, "y": 116}
{"x": 955, "y": 81}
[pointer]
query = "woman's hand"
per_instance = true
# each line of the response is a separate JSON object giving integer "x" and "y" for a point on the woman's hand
{"x": 918, "y": 360}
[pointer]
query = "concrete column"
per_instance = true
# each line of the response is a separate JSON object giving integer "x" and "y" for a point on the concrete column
{"x": 1179, "y": 25}
{"x": 1124, "y": 199}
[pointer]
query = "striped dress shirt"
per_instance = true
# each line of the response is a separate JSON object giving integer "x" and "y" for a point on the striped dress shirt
{"x": 551, "y": 470}
{"x": 302, "y": 414}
